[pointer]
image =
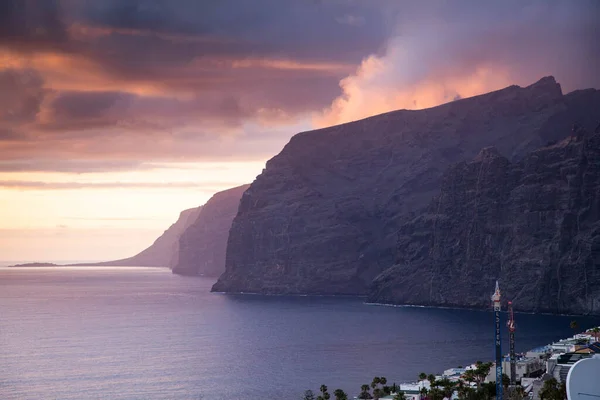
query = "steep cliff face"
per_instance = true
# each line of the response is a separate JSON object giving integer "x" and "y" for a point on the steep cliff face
{"x": 323, "y": 215}
{"x": 202, "y": 246}
{"x": 534, "y": 225}
{"x": 164, "y": 251}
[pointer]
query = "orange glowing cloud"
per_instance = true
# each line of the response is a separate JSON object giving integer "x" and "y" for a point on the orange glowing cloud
{"x": 65, "y": 71}
{"x": 438, "y": 58}
{"x": 362, "y": 98}
{"x": 80, "y": 31}
{"x": 291, "y": 65}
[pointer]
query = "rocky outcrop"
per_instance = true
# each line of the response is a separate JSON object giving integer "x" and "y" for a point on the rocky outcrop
{"x": 202, "y": 246}
{"x": 164, "y": 251}
{"x": 534, "y": 225}
{"x": 323, "y": 215}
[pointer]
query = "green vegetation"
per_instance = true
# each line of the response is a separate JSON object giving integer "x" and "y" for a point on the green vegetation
{"x": 308, "y": 395}
{"x": 364, "y": 392}
{"x": 400, "y": 396}
{"x": 478, "y": 374}
{"x": 471, "y": 387}
{"x": 574, "y": 326}
{"x": 552, "y": 390}
{"x": 324, "y": 394}
{"x": 378, "y": 385}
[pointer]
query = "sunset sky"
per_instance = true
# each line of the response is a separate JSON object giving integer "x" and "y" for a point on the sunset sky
{"x": 115, "y": 115}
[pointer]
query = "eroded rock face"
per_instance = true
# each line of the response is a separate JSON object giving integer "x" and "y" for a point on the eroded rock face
{"x": 165, "y": 250}
{"x": 534, "y": 225}
{"x": 202, "y": 246}
{"x": 323, "y": 215}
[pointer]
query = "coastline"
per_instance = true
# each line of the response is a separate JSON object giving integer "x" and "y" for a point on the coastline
{"x": 546, "y": 354}
{"x": 477, "y": 309}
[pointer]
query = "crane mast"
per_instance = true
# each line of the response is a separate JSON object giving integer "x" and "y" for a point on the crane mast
{"x": 498, "y": 341}
{"x": 511, "y": 333}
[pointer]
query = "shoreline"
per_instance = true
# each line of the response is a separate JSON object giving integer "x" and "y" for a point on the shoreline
{"x": 358, "y": 296}
{"x": 477, "y": 309}
{"x": 354, "y": 296}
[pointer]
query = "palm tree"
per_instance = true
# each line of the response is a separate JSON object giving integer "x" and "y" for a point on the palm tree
{"x": 422, "y": 376}
{"x": 340, "y": 394}
{"x": 461, "y": 389}
{"x": 431, "y": 379}
{"x": 382, "y": 380}
{"x": 395, "y": 388}
{"x": 309, "y": 395}
{"x": 364, "y": 392}
{"x": 447, "y": 387}
{"x": 378, "y": 393}
{"x": 520, "y": 392}
{"x": 400, "y": 396}
{"x": 324, "y": 394}
{"x": 574, "y": 326}
{"x": 423, "y": 392}
{"x": 481, "y": 372}
{"x": 552, "y": 390}
{"x": 375, "y": 382}
{"x": 435, "y": 394}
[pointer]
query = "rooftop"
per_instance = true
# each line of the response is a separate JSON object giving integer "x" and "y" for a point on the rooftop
{"x": 593, "y": 348}
{"x": 541, "y": 349}
{"x": 572, "y": 358}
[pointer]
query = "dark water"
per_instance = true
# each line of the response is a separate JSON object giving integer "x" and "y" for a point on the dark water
{"x": 147, "y": 334}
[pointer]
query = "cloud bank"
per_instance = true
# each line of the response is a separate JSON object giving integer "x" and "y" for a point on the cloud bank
{"x": 448, "y": 50}
{"x": 122, "y": 83}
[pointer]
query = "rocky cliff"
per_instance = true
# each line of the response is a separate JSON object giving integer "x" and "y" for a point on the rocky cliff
{"x": 202, "y": 246}
{"x": 164, "y": 252}
{"x": 323, "y": 215}
{"x": 534, "y": 225}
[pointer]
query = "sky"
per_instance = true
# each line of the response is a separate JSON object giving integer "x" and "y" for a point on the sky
{"x": 116, "y": 115}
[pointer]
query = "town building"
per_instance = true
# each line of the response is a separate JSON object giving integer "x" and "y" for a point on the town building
{"x": 542, "y": 352}
{"x": 559, "y": 364}
{"x": 524, "y": 367}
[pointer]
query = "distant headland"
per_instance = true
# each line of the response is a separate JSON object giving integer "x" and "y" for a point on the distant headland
{"x": 34, "y": 264}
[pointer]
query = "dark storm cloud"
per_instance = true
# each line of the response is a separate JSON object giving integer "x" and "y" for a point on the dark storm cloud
{"x": 31, "y": 24}
{"x": 77, "y": 105}
{"x": 146, "y": 38}
{"x": 167, "y": 80}
{"x": 21, "y": 95}
{"x": 158, "y": 65}
{"x": 304, "y": 29}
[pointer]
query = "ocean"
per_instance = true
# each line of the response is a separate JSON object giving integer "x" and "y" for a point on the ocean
{"x": 143, "y": 333}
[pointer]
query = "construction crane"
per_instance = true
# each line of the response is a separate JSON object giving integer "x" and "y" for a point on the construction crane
{"x": 498, "y": 341}
{"x": 511, "y": 332}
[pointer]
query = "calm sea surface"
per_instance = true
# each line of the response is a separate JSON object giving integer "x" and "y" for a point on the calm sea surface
{"x": 140, "y": 333}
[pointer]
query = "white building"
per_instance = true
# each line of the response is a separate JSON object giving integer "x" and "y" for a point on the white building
{"x": 564, "y": 346}
{"x": 539, "y": 352}
{"x": 524, "y": 367}
{"x": 453, "y": 371}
